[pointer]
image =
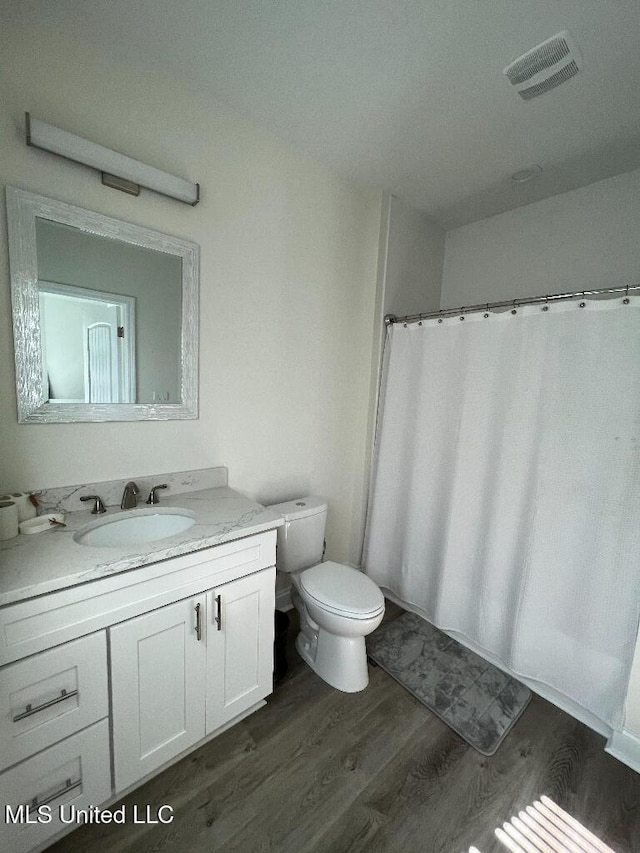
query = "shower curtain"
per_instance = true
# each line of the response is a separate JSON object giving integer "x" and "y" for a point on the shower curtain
{"x": 505, "y": 500}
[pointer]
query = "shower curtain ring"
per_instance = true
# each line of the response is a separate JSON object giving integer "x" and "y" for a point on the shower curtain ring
{"x": 545, "y": 307}
{"x": 513, "y": 310}
{"x": 486, "y": 311}
{"x": 583, "y": 303}
{"x": 440, "y": 318}
{"x": 625, "y": 301}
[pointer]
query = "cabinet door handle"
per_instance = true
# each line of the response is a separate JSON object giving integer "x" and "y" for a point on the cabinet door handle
{"x": 198, "y": 622}
{"x": 30, "y": 710}
{"x": 218, "y": 619}
{"x": 69, "y": 786}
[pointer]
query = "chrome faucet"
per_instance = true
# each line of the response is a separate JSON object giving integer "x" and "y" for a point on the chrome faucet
{"x": 98, "y": 506}
{"x": 130, "y": 496}
{"x": 153, "y": 498}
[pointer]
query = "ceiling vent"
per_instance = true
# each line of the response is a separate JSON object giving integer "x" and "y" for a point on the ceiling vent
{"x": 545, "y": 66}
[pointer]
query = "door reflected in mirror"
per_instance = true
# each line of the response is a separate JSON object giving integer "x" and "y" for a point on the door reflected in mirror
{"x": 88, "y": 345}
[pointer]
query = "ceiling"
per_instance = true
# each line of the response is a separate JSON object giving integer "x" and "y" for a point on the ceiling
{"x": 404, "y": 95}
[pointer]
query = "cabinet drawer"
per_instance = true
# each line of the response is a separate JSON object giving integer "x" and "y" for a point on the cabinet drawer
{"x": 31, "y": 626}
{"x": 74, "y": 772}
{"x": 52, "y": 695}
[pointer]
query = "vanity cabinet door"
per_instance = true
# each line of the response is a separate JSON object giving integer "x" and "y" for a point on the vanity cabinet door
{"x": 239, "y": 646}
{"x": 158, "y": 665}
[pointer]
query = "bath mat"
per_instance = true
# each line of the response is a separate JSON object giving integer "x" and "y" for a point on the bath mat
{"x": 474, "y": 698}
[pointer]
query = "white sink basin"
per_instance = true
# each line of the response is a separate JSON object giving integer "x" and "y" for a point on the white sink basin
{"x": 135, "y": 527}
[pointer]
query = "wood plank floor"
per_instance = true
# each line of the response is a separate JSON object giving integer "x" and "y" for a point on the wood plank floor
{"x": 319, "y": 771}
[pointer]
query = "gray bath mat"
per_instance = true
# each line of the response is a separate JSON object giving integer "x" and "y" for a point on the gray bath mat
{"x": 473, "y": 697}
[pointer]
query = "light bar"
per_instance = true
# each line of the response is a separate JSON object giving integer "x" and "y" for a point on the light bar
{"x": 50, "y": 138}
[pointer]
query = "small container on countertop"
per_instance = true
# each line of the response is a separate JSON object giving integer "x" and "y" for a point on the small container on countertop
{"x": 8, "y": 520}
{"x": 43, "y": 522}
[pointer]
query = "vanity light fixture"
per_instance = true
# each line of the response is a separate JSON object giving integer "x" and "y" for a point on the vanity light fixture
{"x": 118, "y": 170}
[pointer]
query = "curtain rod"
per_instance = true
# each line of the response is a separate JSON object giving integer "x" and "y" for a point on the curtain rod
{"x": 390, "y": 319}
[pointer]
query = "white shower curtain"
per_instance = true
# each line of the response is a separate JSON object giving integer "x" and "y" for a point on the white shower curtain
{"x": 506, "y": 493}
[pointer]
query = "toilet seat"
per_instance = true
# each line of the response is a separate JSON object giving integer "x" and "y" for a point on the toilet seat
{"x": 342, "y": 590}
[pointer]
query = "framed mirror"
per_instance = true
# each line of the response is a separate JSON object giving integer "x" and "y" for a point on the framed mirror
{"x": 105, "y": 316}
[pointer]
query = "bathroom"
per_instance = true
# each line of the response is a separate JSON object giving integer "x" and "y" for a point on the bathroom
{"x": 298, "y": 265}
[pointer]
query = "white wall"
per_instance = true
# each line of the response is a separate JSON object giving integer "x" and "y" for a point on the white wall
{"x": 584, "y": 239}
{"x": 62, "y": 324}
{"x": 409, "y": 278}
{"x": 288, "y": 276}
{"x": 415, "y": 256}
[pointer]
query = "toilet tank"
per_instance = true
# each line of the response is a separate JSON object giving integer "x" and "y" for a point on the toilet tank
{"x": 301, "y": 537}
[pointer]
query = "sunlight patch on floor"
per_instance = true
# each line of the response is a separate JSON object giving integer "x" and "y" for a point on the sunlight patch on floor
{"x": 546, "y": 828}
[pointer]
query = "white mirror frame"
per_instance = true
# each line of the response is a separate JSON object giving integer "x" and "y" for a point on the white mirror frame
{"x": 23, "y": 208}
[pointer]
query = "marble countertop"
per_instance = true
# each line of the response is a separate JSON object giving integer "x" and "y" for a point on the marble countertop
{"x": 50, "y": 561}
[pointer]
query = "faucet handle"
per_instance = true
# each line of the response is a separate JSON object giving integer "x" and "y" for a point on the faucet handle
{"x": 153, "y": 498}
{"x": 98, "y": 505}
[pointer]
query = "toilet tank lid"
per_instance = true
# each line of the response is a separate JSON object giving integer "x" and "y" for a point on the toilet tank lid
{"x": 301, "y": 507}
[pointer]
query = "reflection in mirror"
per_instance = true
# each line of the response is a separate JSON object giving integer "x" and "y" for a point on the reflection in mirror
{"x": 88, "y": 345}
{"x": 146, "y": 281}
{"x": 105, "y": 316}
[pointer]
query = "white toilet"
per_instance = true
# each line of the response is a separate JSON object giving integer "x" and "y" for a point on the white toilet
{"x": 338, "y": 605}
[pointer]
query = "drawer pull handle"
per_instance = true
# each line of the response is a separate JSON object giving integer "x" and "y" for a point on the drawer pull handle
{"x": 218, "y": 617}
{"x": 69, "y": 786}
{"x": 30, "y": 710}
{"x": 198, "y": 622}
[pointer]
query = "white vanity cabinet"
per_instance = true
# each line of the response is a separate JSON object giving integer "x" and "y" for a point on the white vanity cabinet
{"x": 183, "y": 671}
{"x": 184, "y": 647}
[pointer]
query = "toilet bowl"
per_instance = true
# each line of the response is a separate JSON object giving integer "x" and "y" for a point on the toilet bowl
{"x": 338, "y": 605}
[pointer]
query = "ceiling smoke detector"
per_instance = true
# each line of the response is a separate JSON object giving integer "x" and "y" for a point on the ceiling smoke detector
{"x": 523, "y": 176}
{"x": 545, "y": 66}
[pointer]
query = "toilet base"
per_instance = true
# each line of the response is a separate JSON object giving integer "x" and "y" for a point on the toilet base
{"x": 340, "y": 661}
